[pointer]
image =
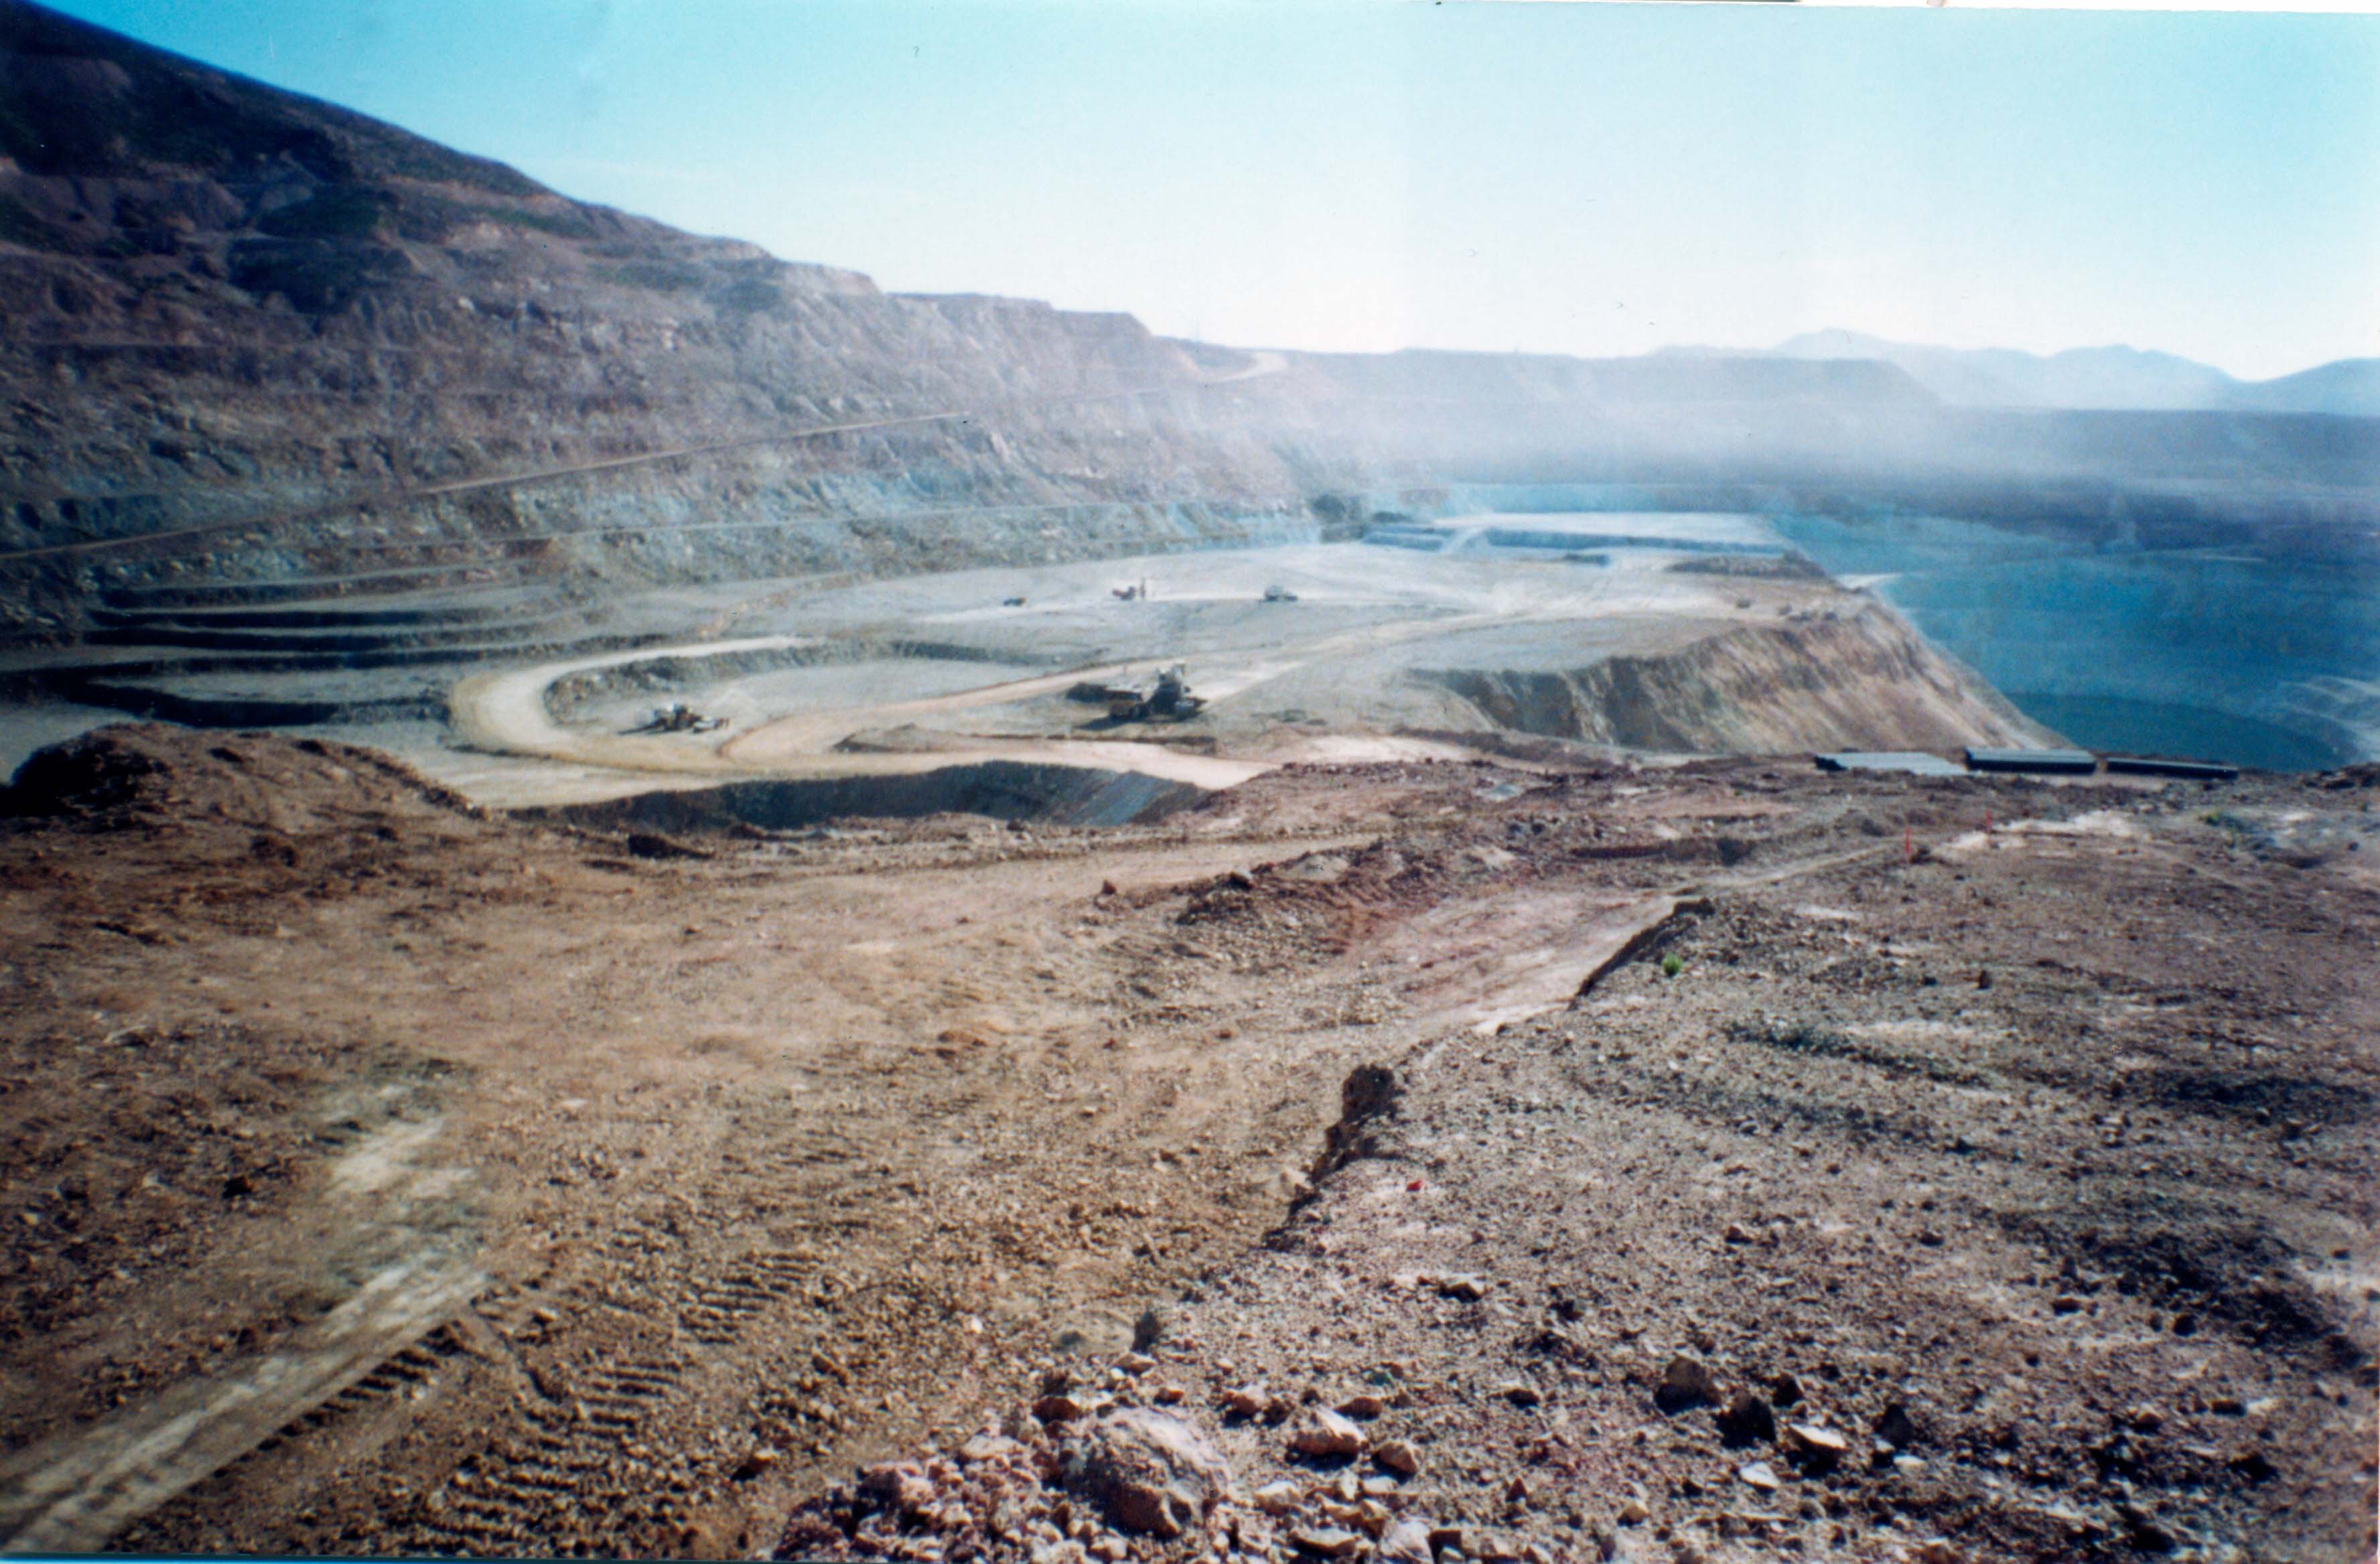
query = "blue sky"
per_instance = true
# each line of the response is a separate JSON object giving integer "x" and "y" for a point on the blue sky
{"x": 1567, "y": 178}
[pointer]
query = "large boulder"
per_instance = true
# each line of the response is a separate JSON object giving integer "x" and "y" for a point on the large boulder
{"x": 1149, "y": 1470}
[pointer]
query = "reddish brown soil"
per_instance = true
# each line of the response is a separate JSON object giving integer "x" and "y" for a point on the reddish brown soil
{"x": 741, "y": 1169}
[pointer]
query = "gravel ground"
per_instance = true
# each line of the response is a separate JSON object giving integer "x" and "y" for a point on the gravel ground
{"x": 386, "y": 1175}
{"x": 2007, "y": 1195}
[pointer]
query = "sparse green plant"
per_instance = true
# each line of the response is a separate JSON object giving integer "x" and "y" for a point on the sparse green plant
{"x": 1672, "y": 964}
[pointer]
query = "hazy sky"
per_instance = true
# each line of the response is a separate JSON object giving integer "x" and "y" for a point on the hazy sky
{"x": 1590, "y": 179}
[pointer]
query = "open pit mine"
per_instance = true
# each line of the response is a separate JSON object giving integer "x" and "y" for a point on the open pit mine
{"x": 657, "y": 904}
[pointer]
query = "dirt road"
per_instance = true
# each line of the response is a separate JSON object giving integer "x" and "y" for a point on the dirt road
{"x": 751, "y": 1165}
{"x": 508, "y": 711}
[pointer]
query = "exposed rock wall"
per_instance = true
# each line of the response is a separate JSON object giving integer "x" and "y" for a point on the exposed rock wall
{"x": 1863, "y": 680}
{"x": 267, "y": 338}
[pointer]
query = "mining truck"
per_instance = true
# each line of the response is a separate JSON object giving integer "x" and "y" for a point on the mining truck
{"x": 1169, "y": 701}
{"x": 678, "y": 716}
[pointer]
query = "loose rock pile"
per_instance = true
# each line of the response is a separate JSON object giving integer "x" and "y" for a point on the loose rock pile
{"x": 1109, "y": 1475}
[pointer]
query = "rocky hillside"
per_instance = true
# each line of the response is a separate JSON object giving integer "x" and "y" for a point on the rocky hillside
{"x": 275, "y": 338}
{"x": 1858, "y": 680}
{"x": 258, "y": 337}
{"x": 230, "y": 304}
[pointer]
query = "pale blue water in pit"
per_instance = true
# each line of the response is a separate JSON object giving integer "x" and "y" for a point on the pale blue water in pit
{"x": 2215, "y": 655}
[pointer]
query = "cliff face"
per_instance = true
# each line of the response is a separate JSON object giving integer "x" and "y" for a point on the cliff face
{"x": 1859, "y": 680}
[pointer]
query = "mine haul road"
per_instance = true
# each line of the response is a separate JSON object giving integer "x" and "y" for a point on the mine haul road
{"x": 507, "y": 712}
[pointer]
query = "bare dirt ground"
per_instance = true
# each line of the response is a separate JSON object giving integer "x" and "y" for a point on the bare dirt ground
{"x": 385, "y": 1175}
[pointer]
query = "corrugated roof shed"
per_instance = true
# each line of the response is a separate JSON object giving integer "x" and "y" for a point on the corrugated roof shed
{"x": 1915, "y": 762}
{"x": 2149, "y": 765}
{"x": 2079, "y": 762}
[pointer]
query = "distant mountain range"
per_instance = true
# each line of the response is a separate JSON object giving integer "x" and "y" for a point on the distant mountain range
{"x": 2091, "y": 377}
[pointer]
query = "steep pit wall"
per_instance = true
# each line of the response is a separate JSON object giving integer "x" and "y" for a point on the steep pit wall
{"x": 1861, "y": 680}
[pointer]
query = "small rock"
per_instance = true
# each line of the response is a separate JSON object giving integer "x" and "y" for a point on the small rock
{"x": 1379, "y": 1487}
{"x": 899, "y": 1484}
{"x": 1784, "y": 1391}
{"x": 1249, "y": 1400}
{"x": 1326, "y": 1436}
{"x": 1446, "y": 1538}
{"x": 1136, "y": 1362}
{"x": 1758, "y": 1474}
{"x": 1633, "y": 1513}
{"x": 1149, "y": 1330}
{"x": 1816, "y": 1445}
{"x": 1362, "y": 1406}
{"x": 1060, "y": 1409}
{"x": 1407, "y": 1542}
{"x": 1111, "y": 1548}
{"x": 1935, "y": 1550}
{"x": 2148, "y": 1534}
{"x": 1467, "y": 1288}
{"x": 1277, "y": 1498}
{"x": 989, "y": 1447}
{"x": 1686, "y": 1382}
{"x": 2254, "y": 1465}
{"x": 1517, "y": 1491}
{"x": 1328, "y": 1542}
{"x": 1171, "y": 1395}
{"x": 1520, "y": 1392}
{"x": 1896, "y": 1427}
{"x": 1398, "y": 1457}
{"x": 1747, "y": 1420}
{"x": 1737, "y": 1233}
